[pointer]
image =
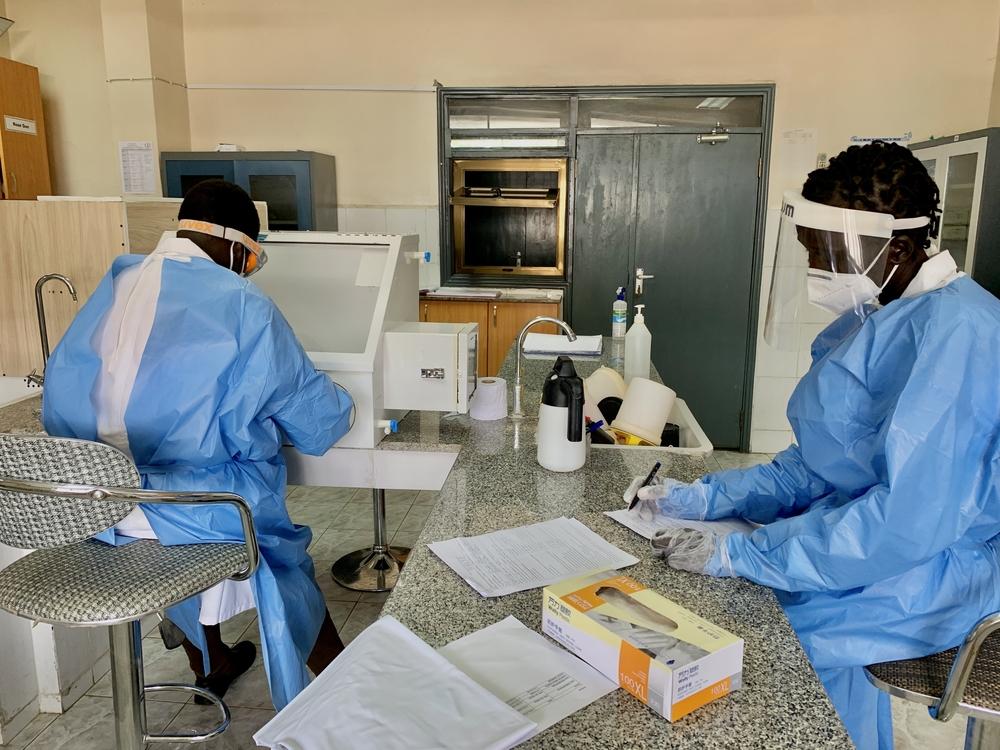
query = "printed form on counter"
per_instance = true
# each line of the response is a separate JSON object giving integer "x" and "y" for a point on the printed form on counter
{"x": 528, "y": 557}
{"x": 529, "y": 673}
{"x": 648, "y": 527}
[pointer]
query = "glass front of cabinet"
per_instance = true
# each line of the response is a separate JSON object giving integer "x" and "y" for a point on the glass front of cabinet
{"x": 509, "y": 216}
{"x": 957, "y": 215}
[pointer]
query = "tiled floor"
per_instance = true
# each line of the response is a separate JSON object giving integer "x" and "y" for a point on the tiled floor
{"x": 342, "y": 522}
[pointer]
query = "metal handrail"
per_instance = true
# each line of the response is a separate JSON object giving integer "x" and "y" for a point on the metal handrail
{"x": 135, "y": 495}
{"x": 961, "y": 668}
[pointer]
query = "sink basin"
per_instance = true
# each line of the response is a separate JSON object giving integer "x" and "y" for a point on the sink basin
{"x": 694, "y": 441}
{"x": 13, "y": 390}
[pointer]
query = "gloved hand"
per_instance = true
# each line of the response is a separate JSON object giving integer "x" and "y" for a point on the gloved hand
{"x": 669, "y": 497}
{"x": 693, "y": 550}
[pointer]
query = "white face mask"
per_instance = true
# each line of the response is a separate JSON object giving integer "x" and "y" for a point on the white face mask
{"x": 839, "y": 292}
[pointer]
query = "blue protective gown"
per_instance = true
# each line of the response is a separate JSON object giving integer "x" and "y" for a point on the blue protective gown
{"x": 221, "y": 382}
{"x": 882, "y": 521}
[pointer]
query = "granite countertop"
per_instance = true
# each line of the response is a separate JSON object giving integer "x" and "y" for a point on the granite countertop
{"x": 22, "y": 417}
{"x": 496, "y": 483}
{"x": 503, "y": 294}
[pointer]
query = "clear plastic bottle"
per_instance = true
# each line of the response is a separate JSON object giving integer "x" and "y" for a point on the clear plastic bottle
{"x": 638, "y": 344}
{"x": 619, "y": 314}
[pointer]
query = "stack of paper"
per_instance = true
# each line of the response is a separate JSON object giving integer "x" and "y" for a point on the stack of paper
{"x": 542, "y": 681}
{"x": 648, "y": 527}
{"x": 390, "y": 690}
{"x": 529, "y": 557}
{"x": 548, "y": 343}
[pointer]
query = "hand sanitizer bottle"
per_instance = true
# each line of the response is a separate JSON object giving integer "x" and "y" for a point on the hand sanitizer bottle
{"x": 619, "y": 312}
{"x": 638, "y": 343}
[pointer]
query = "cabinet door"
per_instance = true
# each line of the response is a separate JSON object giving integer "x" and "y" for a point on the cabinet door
{"x": 183, "y": 174}
{"x": 283, "y": 186}
{"x": 695, "y": 222}
{"x": 506, "y": 321}
{"x": 448, "y": 311}
{"x": 25, "y": 158}
{"x": 958, "y": 169}
{"x": 603, "y": 228}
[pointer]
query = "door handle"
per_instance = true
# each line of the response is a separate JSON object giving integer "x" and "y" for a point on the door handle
{"x": 425, "y": 311}
{"x": 494, "y": 316}
{"x": 641, "y": 276}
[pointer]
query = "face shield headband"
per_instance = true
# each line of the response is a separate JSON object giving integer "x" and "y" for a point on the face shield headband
{"x": 254, "y": 256}
{"x": 835, "y": 258}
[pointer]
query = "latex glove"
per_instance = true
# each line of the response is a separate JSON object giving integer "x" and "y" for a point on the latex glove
{"x": 693, "y": 550}
{"x": 669, "y": 497}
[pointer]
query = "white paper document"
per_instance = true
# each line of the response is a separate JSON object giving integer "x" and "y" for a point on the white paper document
{"x": 528, "y": 557}
{"x": 539, "y": 679}
{"x": 137, "y": 160}
{"x": 530, "y": 674}
{"x": 551, "y": 343}
{"x": 631, "y": 520}
{"x": 390, "y": 690}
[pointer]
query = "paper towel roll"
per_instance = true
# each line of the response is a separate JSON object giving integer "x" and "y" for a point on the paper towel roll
{"x": 489, "y": 402}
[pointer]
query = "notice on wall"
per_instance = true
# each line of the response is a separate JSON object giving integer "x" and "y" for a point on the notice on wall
{"x": 798, "y": 147}
{"x": 138, "y": 165}
{"x": 901, "y": 138}
{"x": 20, "y": 125}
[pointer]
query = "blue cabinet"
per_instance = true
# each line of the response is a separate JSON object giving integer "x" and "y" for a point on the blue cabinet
{"x": 299, "y": 187}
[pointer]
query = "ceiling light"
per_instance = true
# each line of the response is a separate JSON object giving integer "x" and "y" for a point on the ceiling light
{"x": 716, "y": 102}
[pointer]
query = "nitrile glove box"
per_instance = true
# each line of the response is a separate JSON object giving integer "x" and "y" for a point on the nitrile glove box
{"x": 666, "y": 656}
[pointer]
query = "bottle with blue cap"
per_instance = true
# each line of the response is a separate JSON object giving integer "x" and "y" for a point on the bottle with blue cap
{"x": 619, "y": 314}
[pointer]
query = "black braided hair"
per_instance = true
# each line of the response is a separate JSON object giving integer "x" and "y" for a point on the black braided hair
{"x": 878, "y": 176}
{"x": 221, "y": 202}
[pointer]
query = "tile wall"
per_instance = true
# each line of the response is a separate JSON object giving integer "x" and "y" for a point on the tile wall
{"x": 419, "y": 220}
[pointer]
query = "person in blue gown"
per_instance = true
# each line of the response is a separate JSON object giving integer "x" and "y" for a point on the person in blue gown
{"x": 181, "y": 362}
{"x": 881, "y": 522}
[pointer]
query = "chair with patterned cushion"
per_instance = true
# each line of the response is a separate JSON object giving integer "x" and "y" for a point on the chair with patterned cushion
{"x": 963, "y": 680}
{"x": 55, "y": 494}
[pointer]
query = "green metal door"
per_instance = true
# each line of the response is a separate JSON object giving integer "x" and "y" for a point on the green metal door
{"x": 696, "y": 217}
{"x": 603, "y": 228}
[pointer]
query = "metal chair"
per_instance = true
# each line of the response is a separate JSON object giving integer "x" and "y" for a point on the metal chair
{"x": 55, "y": 494}
{"x": 963, "y": 680}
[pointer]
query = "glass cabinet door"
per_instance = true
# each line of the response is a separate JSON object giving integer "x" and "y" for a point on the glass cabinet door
{"x": 958, "y": 169}
{"x": 284, "y": 186}
{"x": 184, "y": 174}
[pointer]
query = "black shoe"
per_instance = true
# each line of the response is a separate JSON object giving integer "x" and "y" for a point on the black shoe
{"x": 241, "y": 658}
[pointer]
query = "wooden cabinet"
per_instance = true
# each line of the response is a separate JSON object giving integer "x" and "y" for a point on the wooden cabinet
{"x": 24, "y": 159}
{"x": 506, "y": 321}
{"x": 453, "y": 311}
{"x": 499, "y": 323}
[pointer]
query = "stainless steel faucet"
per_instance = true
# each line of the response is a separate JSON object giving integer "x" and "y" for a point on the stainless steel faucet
{"x": 518, "y": 411}
{"x": 34, "y": 378}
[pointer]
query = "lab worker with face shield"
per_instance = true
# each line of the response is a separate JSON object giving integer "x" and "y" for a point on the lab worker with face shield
{"x": 881, "y": 522}
{"x": 187, "y": 367}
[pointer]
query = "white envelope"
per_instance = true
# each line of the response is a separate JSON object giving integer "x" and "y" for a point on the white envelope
{"x": 390, "y": 690}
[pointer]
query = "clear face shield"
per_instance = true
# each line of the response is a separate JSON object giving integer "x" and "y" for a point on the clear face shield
{"x": 254, "y": 256}
{"x": 833, "y": 258}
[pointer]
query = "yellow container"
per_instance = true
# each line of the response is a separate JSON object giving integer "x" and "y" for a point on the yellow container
{"x": 627, "y": 438}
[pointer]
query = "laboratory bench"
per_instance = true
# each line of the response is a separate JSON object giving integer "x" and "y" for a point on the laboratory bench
{"x": 496, "y": 483}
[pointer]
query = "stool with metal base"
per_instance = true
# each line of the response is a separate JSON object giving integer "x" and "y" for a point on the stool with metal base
{"x": 54, "y": 495}
{"x": 374, "y": 568}
{"x": 964, "y": 680}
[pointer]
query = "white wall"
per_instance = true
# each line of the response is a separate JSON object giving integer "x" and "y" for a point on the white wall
{"x": 18, "y": 684}
{"x": 64, "y": 40}
{"x": 840, "y": 69}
